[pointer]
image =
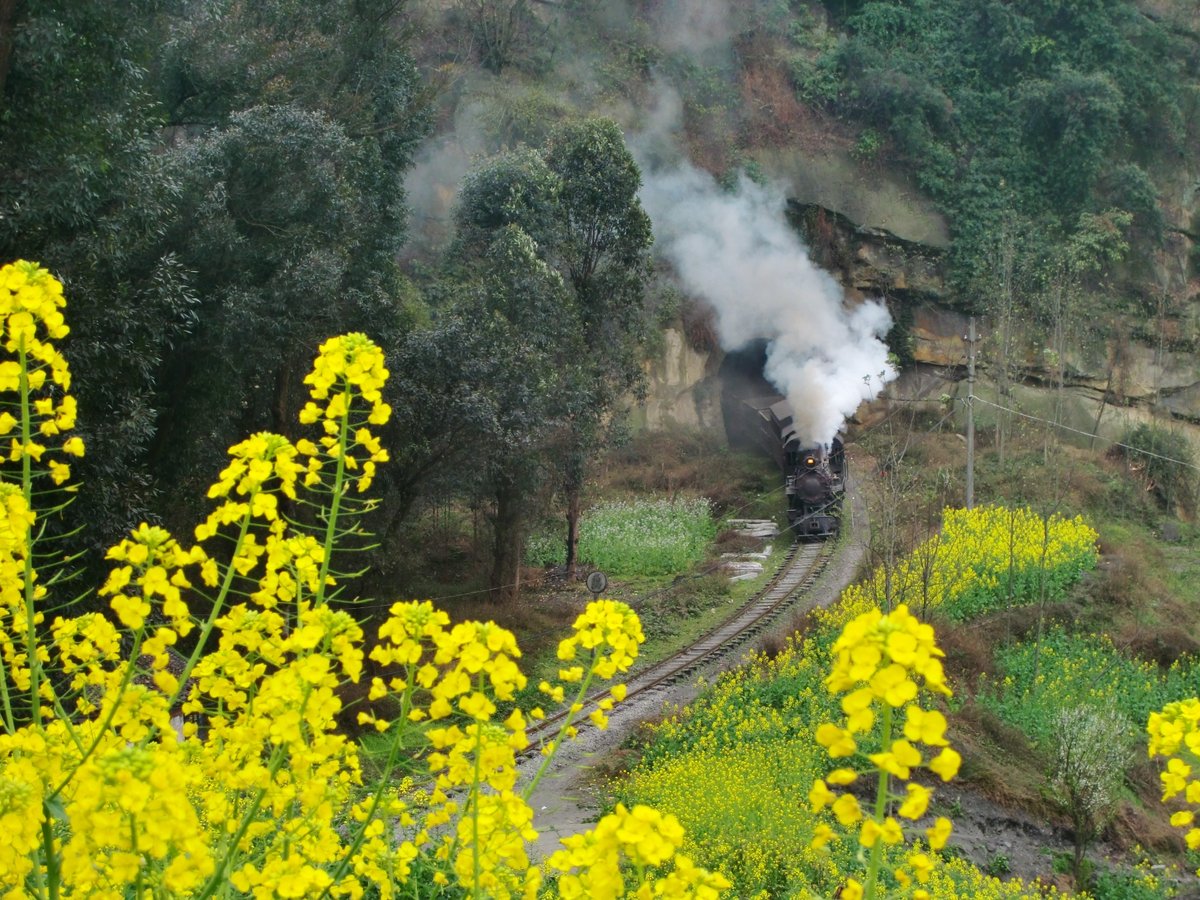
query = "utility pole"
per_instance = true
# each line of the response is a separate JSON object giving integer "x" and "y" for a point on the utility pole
{"x": 970, "y": 338}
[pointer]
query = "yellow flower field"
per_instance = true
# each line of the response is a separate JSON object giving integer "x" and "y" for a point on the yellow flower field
{"x": 258, "y": 793}
{"x": 983, "y": 559}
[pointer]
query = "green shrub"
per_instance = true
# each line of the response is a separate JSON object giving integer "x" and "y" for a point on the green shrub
{"x": 1163, "y": 460}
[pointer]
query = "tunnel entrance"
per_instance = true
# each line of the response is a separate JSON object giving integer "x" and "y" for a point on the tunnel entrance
{"x": 741, "y": 379}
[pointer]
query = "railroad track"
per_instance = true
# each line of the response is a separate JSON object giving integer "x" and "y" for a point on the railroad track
{"x": 783, "y": 594}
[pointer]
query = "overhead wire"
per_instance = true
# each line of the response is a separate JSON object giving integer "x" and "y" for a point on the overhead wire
{"x": 866, "y": 431}
{"x": 1087, "y": 434}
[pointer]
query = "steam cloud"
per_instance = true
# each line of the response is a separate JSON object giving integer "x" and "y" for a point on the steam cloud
{"x": 738, "y": 252}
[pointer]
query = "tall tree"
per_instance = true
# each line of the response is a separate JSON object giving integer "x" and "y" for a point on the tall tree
{"x": 522, "y": 308}
{"x": 295, "y": 123}
{"x": 603, "y": 251}
{"x": 578, "y": 197}
{"x": 85, "y": 191}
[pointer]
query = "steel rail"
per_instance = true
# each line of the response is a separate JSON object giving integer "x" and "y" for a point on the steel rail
{"x": 801, "y": 567}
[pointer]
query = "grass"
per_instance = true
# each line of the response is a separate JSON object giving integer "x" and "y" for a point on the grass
{"x": 647, "y": 536}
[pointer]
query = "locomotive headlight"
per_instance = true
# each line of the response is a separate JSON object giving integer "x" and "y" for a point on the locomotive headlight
{"x": 809, "y": 461}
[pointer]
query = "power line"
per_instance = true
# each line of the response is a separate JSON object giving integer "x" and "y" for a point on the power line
{"x": 708, "y": 570}
{"x": 863, "y": 433}
{"x": 1088, "y": 434}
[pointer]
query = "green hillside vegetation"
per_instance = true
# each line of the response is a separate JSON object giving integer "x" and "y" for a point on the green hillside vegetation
{"x": 222, "y": 185}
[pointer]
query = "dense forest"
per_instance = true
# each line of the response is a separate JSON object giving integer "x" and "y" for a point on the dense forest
{"x": 222, "y": 184}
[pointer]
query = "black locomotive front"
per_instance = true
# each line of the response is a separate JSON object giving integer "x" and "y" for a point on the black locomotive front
{"x": 814, "y": 476}
{"x": 814, "y": 485}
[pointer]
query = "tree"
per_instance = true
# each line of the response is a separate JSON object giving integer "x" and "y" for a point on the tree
{"x": 501, "y": 29}
{"x": 295, "y": 124}
{"x": 602, "y": 248}
{"x": 1091, "y": 752}
{"x": 1071, "y": 121}
{"x": 522, "y": 310}
{"x": 1095, "y": 243}
{"x": 111, "y": 116}
{"x": 514, "y": 188}
{"x": 578, "y": 198}
{"x": 85, "y": 191}
{"x": 1050, "y": 108}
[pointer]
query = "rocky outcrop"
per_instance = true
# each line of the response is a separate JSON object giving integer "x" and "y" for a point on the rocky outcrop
{"x": 1116, "y": 379}
{"x": 817, "y": 172}
{"x": 871, "y": 260}
{"x": 1117, "y": 370}
{"x": 682, "y": 388}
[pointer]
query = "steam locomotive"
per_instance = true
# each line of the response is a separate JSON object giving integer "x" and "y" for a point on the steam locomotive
{"x": 814, "y": 475}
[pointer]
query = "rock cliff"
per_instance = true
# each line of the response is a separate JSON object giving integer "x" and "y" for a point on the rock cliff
{"x": 1135, "y": 368}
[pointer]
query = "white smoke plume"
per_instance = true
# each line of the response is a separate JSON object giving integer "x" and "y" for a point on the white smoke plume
{"x": 736, "y": 250}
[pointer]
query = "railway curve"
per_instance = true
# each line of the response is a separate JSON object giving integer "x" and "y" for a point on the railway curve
{"x": 811, "y": 575}
{"x": 784, "y": 594}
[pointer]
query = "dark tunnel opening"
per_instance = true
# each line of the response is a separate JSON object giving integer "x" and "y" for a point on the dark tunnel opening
{"x": 741, "y": 378}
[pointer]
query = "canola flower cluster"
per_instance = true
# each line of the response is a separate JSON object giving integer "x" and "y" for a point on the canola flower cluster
{"x": 1174, "y": 734}
{"x": 645, "y": 839}
{"x": 185, "y": 743}
{"x": 983, "y": 559}
{"x": 881, "y": 663}
{"x": 738, "y": 764}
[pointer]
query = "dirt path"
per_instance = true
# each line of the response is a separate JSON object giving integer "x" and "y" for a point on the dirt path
{"x": 567, "y": 799}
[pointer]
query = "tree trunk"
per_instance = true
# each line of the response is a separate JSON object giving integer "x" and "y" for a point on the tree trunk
{"x": 8, "y": 25}
{"x": 573, "y": 513}
{"x": 1078, "y": 869}
{"x": 1004, "y": 385}
{"x": 573, "y": 479}
{"x": 1103, "y": 403}
{"x": 507, "y": 545}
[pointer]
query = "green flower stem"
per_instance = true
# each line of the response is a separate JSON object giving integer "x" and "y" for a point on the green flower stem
{"x": 139, "y": 889}
{"x": 10, "y": 724}
{"x": 339, "y": 487}
{"x": 218, "y": 605}
{"x": 881, "y": 798}
{"x": 219, "y": 878}
{"x": 31, "y": 642}
{"x": 65, "y": 718}
{"x": 558, "y": 738}
{"x": 53, "y": 875}
{"x": 393, "y": 752}
{"x": 474, "y": 801}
